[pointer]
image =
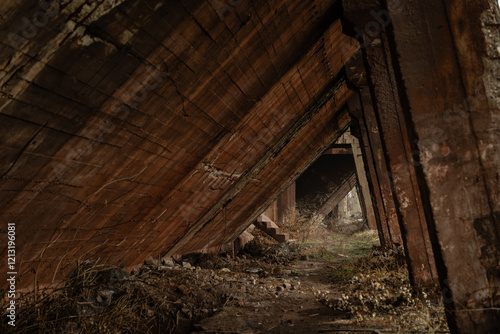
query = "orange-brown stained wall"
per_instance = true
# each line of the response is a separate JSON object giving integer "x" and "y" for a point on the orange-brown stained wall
{"x": 124, "y": 124}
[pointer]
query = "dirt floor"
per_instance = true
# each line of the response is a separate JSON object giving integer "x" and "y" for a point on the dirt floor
{"x": 333, "y": 283}
{"x": 281, "y": 304}
{"x": 340, "y": 284}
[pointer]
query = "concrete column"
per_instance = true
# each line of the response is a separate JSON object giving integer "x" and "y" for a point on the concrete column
{"x": 441, "y": 55}
{"x": 286, "y": 203}
{"x": 364, "y": 191}
{"x": 371, "y": 172}
{"x": 396, "y": 146}
{"x": 363, "y": 110}
{"x": 272, "y": 211}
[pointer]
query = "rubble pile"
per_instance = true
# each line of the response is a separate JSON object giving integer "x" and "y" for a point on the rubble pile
{"x": 169, "y": 295}
{"x": 267, "y": 288}
{"x": 100, "y": 299}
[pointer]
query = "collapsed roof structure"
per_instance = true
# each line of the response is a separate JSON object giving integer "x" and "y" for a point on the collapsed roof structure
{"x": 151, "y": 128}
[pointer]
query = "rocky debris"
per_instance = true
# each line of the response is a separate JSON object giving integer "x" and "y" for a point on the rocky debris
{"x": 167, "y": 293}
{"x": 162, "y": 295}
{"x": 172, "y": 294}
{"x": 167, "y": 263}
{"x": 209, "y": 261}
{"x": 150, "y": 261}
{"x": 184, "y": 289}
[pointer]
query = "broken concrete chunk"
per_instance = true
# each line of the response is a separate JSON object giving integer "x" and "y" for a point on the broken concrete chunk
{"x": 105, "y": 297}
{"x": 167, "y": 263}
{"x": 150, "y": 261}
{"x": 184, "y": 289}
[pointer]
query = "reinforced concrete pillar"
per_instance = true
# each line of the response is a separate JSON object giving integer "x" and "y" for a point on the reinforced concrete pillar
{"x": 396, "y": 145}
{"x": 450, "y": 89}
{"x": 362, "y": 109}
{"x": 364, "y": 190}
{"x": 286, "y": 203}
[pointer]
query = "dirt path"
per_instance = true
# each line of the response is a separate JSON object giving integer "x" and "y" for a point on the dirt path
{"x": 341, "y": 284}
{"x": 342, "y": 287}
{"x": 280, "y": 304}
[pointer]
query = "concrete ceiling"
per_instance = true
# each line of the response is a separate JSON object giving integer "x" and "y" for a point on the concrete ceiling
{"x": 139, "y": 128}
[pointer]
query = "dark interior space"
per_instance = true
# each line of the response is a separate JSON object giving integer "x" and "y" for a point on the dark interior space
{"x": 316, "y": 185}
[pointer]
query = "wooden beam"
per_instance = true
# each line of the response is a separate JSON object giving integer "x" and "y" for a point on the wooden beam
{"x": 364, "y": 194}
{"x": 356, "y": 110}
{"x": 286, "y": 203}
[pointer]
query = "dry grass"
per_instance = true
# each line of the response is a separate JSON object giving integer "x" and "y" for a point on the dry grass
{"x": 377, "y": 294}
{"x": 304, "y": 227}
{"x": 97, "y": 298}
{"x": 103, "y": 299}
